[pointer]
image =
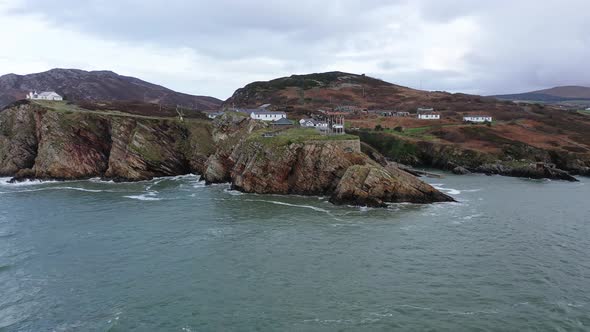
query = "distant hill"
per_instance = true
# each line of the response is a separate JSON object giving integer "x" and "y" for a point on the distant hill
{"x": 81, "y": 85}
{"x": 319, "y": 89}
{"x": 333, "y": 89}
{"x": 557, "y": 95}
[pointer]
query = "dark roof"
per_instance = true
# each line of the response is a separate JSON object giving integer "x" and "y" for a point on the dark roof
{"x": 283, "y": 122}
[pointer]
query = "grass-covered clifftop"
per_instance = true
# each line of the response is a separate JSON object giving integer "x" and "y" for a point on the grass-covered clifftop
{"x": 269, "y": 136}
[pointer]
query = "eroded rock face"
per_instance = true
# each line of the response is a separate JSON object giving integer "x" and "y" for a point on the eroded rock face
{"x": 18, "y": 140}
{"x": 309, "y": 168}
{"x": 460, "y": 170}
{"x": 71, "y": 147}
{"x": 40, "y": 143}
{"x": 370, "y": 185}
{"x": 228, "y": 132}
{"x": 318, "y": 167}
{"x": 143, "y": 149}
{"x": 532, "y": 171}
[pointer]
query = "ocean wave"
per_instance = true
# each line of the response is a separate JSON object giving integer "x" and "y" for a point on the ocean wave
{"x": 473, "y": 216}
{"x": 438, "y": 311}
{"x": 57, "y": 188}
{"x": 315, "y": 208}
{"x": 150, "y": 196}
{"x": 6, "y": 182}
{"x": 233, "y": 192}
{"x": 199, "y": 184}
{"x": 80, "y": 189}
{"x": 471, "y": 190}
{"x": 449, "y": 191}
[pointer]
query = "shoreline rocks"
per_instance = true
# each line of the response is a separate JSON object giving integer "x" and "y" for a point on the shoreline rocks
{"x": 514, "y": 160}
{"x": 532, "y": 171}
{"x": 40, "y": 143}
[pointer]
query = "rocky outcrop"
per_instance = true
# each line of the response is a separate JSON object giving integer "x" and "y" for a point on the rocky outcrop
{"x": 149, "y": 148}
{"x": 517, "y": 160}
{"x": 459, "y": 170}
{"x": 298, "y": 165}
{"x": 18, "y": 140}
{"x": 532, "y": 171}
{"x": 370, "y": 185}
{"x": 47, "y": 144}
{"x": 79, "y": 144}
{"x": 306, "y": 168}
{"x": 228, "y": 131}
{"x": 71, "y": 147}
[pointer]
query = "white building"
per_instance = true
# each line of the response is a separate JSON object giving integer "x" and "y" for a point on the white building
{"x": 477, "y": 118}
{"x": 46, "y": 95}
{"x": 267, "y": 116}
{"x": 429, "y": 116}
{"x": 311, "y": 123}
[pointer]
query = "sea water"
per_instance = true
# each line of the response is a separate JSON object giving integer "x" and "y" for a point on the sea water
{"x": 175, "y": 255}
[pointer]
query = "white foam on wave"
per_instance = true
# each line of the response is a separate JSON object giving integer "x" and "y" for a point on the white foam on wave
{"x": 6, "y": 182}
{"x": 99, "y": 180}
{"x": 449, "y": 191}
{"x": 149, "y": 196}
{"x": 315, "y": 208}
{"x": 473, "y": 216}
{"x": 57, "y": 188}
{"x": 471, "y": 190}
{"x": 80, "y": 189}
{"x": 182, "y": 177}
{"x": 233, "y": 192}
{"x": 438, "y": 311}
{"x": 199, "y": 184}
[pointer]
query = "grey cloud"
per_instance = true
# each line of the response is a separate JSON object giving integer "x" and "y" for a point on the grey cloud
{"x": 222, "y": 28}
{"x": 519, "y": 44}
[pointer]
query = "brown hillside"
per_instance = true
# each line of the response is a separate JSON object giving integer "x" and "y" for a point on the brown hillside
{"x": 573, "y": 92}
{"x": 80, "y": 85}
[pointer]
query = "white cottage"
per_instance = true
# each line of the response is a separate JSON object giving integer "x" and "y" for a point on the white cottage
{"x": 311, "y": 123}
{"x": 267, "y": 116}
{"x": 429, "y": 116}
{"x": 46, "y": 95}
{"x": 477, "y": 118}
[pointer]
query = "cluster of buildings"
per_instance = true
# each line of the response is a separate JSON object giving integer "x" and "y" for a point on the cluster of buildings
{"x": 332, "y": 124}
{"x": 45, "y": 95}
{"x": 423, "y": 113}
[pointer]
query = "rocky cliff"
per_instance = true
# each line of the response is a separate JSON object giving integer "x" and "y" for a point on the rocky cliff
{"x": 66, "y": 142}
{"x": 303, "y": 164}
{"x": 36, "y": 142}
{"x": 512, "y": 159}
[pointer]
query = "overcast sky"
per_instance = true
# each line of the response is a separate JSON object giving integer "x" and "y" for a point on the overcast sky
{"x": 214, "y": 47}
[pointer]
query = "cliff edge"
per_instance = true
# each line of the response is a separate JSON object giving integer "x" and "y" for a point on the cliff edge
{"x": 57, "y": 140}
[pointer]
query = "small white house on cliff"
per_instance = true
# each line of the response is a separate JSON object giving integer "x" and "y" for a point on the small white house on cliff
{"x": 267, "y": 116}
{"x": 311, "y": 123}
{"x": 46, "y": 95}
{"x": 477, "y": 118}
{"x": 429, "y": 116}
